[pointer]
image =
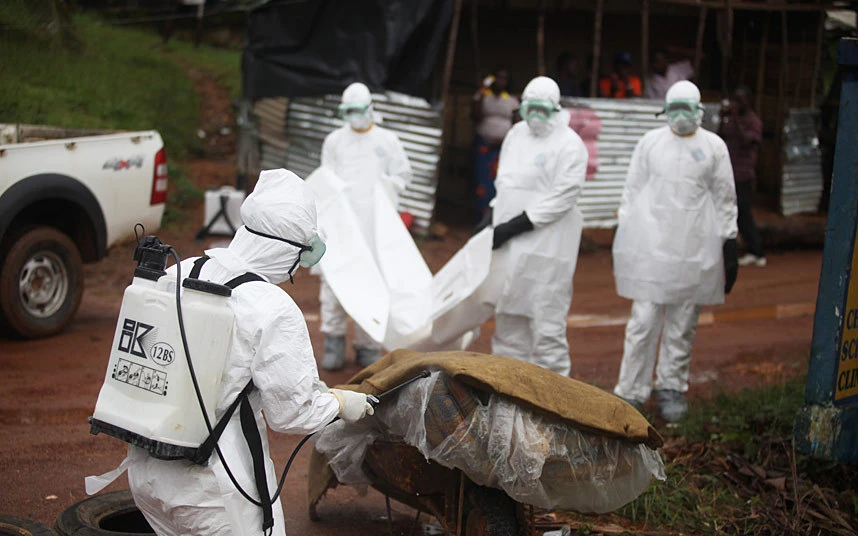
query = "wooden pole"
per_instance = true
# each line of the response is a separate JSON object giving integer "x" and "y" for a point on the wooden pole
{"x": 475, "y": 41}
{"x": 597, "y": 47}
{"x": 644, "y": 43}
{"x": 540, "y": 39}
{"x": 727, "y": 51}
{"x": 761, "y": 66}
{"x": 451, "y": 55}
{"x": 817, "y": 60}
{"x": 698, "y": 44}
{"x": 782, "y": 108}
{"x": 743, "y": 55}
{"x": 796, "y": 102}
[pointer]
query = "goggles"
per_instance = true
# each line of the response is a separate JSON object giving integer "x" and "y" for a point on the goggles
{"x": 310, "y": 254}
{"x": 351, "y": 110}
{"x": 536, "y": 109}
{"x": 682, "y": 108}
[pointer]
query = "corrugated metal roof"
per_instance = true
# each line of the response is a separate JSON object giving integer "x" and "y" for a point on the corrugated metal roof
{"x": 291, "y": 136}
{"x": 802, "y": 172}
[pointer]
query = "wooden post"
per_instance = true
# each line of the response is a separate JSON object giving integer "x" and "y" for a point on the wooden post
{"x": 540, "y": 39}
{"x": 761, "y": 66}
{"x": 644, "y": 43}
{"x": 698, "y": 44}
{"x": 727, "y": 50}
{"x": 817, "y": 60}
{"x": 782, "y": 108}
{"x": 796, "y": 102}
{"x": 451, "y": 55}
{"x": 475, "y": 41}
{"x": 597, "y": 47}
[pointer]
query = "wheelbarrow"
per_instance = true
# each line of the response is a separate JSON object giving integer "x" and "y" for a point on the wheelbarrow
{"x": 480, "y": 447}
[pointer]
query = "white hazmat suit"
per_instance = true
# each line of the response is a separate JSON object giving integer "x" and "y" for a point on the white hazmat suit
{"x": 541, "y": 171}
{"x": 270, "y": 345}
{"x": 363, "y": 155}
{"x": 677, "y": 210}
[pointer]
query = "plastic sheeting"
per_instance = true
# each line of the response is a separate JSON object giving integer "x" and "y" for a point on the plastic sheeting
{"x": 297, "y": 49}
{"x": 495, "y": 442}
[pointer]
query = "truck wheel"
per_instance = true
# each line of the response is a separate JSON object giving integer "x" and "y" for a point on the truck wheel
{"x": 104, "y": 515}
{"x": 16, "y": 526}
{"x": 41, "y": 283}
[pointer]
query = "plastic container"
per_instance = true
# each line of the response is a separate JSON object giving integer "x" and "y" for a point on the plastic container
{"x": 233, "y": 199}
{"x": 147, "y": 389}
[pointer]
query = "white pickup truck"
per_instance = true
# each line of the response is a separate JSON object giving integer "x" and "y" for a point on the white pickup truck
{"x": 63, "y": 202}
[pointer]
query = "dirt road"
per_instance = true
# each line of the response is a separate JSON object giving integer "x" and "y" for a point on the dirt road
{"x": 761, "y": 334}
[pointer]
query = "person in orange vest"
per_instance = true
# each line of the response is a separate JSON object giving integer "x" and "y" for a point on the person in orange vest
{"x": 621, "y": 84}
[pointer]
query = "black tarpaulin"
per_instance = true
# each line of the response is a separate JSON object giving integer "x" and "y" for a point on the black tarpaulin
{"x": 318, "y": 47}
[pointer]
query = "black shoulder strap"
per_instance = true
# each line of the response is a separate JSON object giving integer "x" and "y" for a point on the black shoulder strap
{"x": 257, "y": 454}
{"x": 240, "y": 280}
{"x": 205, "y": 450}
{"x": 198, "y": 266}
{"x": 232, "y": 283}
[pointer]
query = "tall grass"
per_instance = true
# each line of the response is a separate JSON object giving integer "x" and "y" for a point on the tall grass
{"x": 119, "y": 78}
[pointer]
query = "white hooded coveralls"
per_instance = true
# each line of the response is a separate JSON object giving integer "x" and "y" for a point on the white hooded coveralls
{"x": 363, "y": 160}
{"x": 677, "y": 210}
{"x": 271, "y": 346}
{"x": 542, "y": 176}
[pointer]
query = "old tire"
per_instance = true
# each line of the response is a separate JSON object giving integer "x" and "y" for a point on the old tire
{"x": 109, "y": 514}
{"x": 490, "y": 512}
{"x": 41, "y": 283}
{"x": 17, "y": 526}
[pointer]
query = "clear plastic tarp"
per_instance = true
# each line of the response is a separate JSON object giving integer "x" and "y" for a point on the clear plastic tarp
{"x": 536, "y": 460}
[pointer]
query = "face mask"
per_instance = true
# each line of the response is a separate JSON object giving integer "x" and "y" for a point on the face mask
{"x": 540, "y": 127}
{"x": 683, "y": 116}
{"x": 310, "y": 254}
{"x": 358, "y": 116}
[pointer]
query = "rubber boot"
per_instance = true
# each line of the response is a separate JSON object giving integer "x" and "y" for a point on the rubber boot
{"x": 671, "y": 404}
{"x": 367, "y": 356}
{"x": 335, "y": 352}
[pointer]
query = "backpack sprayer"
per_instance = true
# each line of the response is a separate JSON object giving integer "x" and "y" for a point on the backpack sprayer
{"x": 151, "y": 398}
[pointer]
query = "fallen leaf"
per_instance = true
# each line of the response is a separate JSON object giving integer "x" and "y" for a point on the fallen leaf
{"x": 777, "y": 483}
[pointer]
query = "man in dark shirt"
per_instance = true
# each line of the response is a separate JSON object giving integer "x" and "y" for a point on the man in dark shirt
{"x": 742, "y": 131}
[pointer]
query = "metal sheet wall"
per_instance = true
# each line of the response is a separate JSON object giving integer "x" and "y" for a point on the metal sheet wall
{"x": 802, "y": 182}
{"x": 291, "y": 136}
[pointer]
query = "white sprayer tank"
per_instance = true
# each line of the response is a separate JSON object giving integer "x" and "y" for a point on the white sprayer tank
{"x": 147, "y": 390}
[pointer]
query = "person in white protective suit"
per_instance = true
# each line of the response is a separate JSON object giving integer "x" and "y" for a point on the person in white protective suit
{"x": 271, "y": 346}
{"x": 675, "y": 249}
{"x": 535, "y": 214}
{"x": 363, "y": 155}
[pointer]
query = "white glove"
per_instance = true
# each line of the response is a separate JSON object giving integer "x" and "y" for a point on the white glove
{"x": 354, "y": 406}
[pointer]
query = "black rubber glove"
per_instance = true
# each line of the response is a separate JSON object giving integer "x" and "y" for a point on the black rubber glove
{"x": 514, "y": 227}
{"x": 731, "y": 264}
{"x": 485, "y": 221}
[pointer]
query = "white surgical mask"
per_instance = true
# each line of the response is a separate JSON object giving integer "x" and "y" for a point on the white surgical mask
{"x": 540, "y": 127}
{"x": 682, "y": 125}
{"x": 360, "y": 122}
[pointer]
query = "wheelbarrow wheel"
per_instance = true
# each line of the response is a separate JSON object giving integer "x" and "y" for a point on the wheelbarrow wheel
{"x": 490, "y": 512}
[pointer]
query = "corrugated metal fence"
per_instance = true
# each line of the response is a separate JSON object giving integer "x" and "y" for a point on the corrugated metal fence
{"x": 292, "y": 135}
{"x": 802, "y": 173}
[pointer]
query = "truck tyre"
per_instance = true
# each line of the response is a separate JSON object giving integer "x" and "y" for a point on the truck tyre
{"x": 17, "y": 526}
{"x": 108, "y": 514}
{"x": 41, "y": 283}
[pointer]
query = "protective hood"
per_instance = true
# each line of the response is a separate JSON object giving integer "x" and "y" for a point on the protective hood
{"x": 356, "y": 107}
{"x": 682, "y": 107}
{"x": 281, "y": 205}
{"x": 541, "y": 93}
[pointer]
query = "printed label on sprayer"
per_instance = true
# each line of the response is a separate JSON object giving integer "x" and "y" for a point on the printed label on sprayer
{"x": 136, "y": 339}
